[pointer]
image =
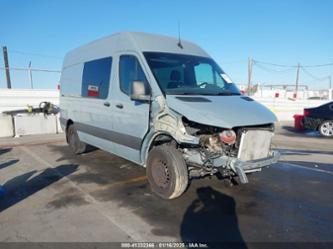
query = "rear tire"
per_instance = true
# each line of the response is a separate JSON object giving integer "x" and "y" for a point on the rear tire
{"x": 167, "y": 172}
{"x": 73, "y": 140}
{"x": 326, "y": 128}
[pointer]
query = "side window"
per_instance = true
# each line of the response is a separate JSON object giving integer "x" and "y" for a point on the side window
{"x": 129, "y": 71}
{"x": 96, "y": 78}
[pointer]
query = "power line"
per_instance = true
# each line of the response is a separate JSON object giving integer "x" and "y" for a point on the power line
{"x": 320, "y": 65}
{"x": 274, "y": 64}
{"x": 34, "y": 54}
{"x": 270, "y": 70}
{"x": 311, "y": 75}
{"x": 31, "y": 69}
{"x": 293, "y": 66}
{"x": 14, "y": 51}
{"x": 269, "y": 67}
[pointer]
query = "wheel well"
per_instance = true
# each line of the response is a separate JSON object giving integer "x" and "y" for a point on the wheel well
{"x": 162, "y": 139}
{"x": 69, "y": 122}
{"x": 321, "y": 122}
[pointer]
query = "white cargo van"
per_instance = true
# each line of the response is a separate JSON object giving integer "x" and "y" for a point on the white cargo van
{"x": 165, "y": 105}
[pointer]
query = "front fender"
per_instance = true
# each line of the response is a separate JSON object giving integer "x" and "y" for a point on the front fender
{"x": 148, "y": 141}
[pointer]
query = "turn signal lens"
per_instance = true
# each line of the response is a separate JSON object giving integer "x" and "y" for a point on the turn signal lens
{"x": 228, "y": 137}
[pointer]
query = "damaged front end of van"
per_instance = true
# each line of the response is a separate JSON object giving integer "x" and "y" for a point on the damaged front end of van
{"x": 229, "y": 136}
{"x": 202, "y": 125}
{"x": 230, "y": 152}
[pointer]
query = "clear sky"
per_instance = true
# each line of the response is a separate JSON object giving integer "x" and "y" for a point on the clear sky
{"x": 281, "y": 31}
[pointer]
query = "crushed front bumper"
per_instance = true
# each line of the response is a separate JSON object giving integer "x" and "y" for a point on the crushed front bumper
{"x": 255, "y": 164}
{"x": 242, "y": 167}
{"x": 235, "y": 164}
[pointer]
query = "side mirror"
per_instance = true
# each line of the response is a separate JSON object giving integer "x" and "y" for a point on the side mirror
{"x": 139, "y": 91}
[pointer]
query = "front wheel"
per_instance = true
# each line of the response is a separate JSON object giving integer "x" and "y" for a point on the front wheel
{"x": 167, "y": 172}
{"x": 73, "y": 140}
{"x": 326, "y": 128}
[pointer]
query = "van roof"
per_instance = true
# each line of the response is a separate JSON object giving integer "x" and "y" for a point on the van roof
{"x": 132, "y": 41}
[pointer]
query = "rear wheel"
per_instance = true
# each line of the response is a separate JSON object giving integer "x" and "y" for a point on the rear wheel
{"x": 167, "y": 172}
{"x": 73, "y": 140}
{"x": 326, "y": 128}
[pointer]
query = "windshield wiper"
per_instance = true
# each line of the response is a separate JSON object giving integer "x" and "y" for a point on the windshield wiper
{"x": 181, "y": 93}
{"x": 219, "y": 94}
{"x": 206, "y": 94}
{"x": 228, "y": 94}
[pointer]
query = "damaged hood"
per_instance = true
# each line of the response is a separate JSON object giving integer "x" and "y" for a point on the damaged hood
{"x": 221, "y": 111}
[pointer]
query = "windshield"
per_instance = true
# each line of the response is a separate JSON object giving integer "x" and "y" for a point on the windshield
{"x": 179, "y": 74}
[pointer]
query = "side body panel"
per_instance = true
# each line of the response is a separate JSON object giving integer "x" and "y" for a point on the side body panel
{"x": 115, "y": 124}
{"x": 91, "y": 117}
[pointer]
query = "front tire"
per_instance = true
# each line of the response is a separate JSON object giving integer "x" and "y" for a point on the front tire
{"x": 167, "y": 172}
{"x": 326, "y": 128}
{"x": 73, "y": 140}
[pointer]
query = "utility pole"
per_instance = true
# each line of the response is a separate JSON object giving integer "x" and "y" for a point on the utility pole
{"x": 330, "y": 81}
{"x": 5, "y": 59}
{"x": 249, "y": 68}
{"x": 297, "y": 81}
{"x": 30, "y": 75}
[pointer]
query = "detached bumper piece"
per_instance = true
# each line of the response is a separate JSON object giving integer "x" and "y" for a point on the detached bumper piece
{"x": 238, "y": 166}
{"x": 241, "y": 167}
{"x": 259, "y": 163}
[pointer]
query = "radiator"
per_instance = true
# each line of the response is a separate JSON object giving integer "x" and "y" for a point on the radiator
{"x": 254, "y": 144}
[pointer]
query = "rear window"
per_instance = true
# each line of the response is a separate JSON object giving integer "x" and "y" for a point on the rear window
{"x": 96, "y": 78}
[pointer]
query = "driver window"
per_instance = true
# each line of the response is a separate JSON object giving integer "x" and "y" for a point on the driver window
{"x": 129, "y": 71}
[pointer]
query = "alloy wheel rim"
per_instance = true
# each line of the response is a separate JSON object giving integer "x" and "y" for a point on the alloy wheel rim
{"x": 327, "y": 128}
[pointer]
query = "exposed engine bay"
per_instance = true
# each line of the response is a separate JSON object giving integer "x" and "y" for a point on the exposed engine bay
{"x": 218, "y": 147}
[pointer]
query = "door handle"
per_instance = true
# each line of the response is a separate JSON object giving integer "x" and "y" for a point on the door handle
{"x": 107, "y": 103}
{"x": 120, "y": 106}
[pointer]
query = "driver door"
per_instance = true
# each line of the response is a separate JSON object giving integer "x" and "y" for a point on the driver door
{"x": 130, "y": 118}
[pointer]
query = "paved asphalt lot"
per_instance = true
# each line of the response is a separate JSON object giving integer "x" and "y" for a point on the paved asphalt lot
{"x": 52, "y": 195}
